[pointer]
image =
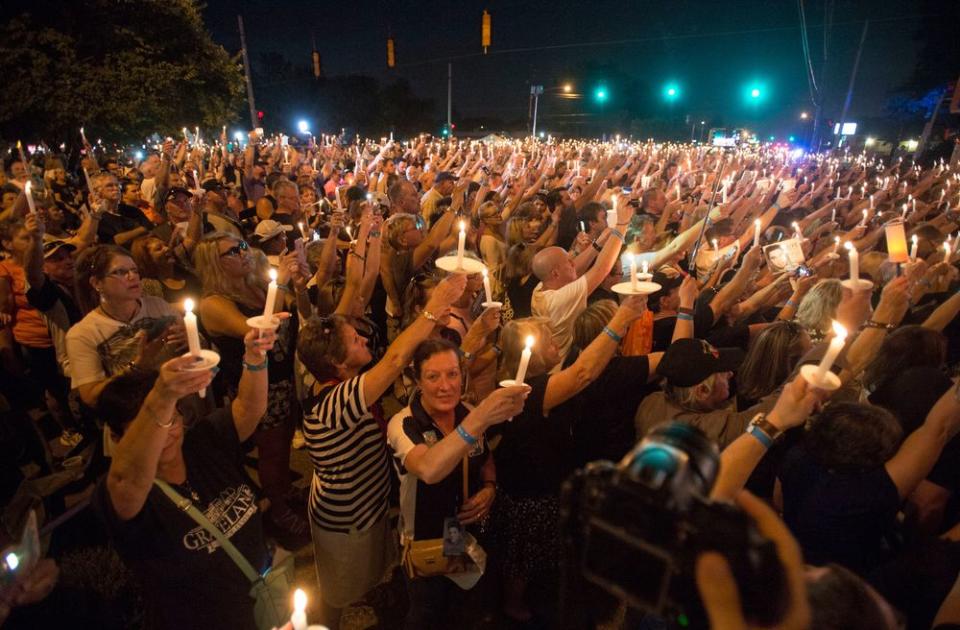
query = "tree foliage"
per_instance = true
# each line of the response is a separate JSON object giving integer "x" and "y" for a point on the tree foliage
{"x": 122, "y": 68}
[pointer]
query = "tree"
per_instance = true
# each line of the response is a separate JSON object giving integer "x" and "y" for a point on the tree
{"x": 123, "y": 68}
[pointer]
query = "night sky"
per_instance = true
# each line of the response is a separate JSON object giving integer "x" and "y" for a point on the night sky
{"x": 714, "y": 50}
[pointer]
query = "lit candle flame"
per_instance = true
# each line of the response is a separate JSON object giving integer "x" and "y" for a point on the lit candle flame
{"x": 273, "y": 275}
{"x": 188, "y": 305}
{"x": 529, "y": 342}
{"x": 838, "y": 330}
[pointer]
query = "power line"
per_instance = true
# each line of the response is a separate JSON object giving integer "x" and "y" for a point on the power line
{"x": 641, "y": 40}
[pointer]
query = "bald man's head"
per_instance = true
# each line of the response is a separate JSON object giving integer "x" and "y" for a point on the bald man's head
{"x": 553, "y": 267}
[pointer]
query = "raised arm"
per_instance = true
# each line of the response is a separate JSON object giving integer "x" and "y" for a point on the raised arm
{"x": 593, "y": 360}
{"x": 135, "y": 458}
{"x": 251, "y": 401}
{"x": 382, "y": 375}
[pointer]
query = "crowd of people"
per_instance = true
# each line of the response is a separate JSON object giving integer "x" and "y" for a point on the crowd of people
{"x": 442, "y": 411}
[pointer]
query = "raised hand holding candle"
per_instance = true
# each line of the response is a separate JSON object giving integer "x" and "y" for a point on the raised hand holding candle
{"x": 833, "y": 351}
{"x": 461, "y": 244}
{"x": 913, "y": 247}
{"x": 190, "y": 324}
{"x": 854, "y": 261}
{"x": 28, "y": 191}
{"x": 271, "y": 295}
{"x": 756, "y": 232}
{"x": 299, "y": 617}
{"x": 524, "y": 361}
{"x": 486, "y": 286}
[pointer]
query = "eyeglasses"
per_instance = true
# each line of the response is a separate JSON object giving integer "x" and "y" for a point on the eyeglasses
{"x": 236, "y": 249}
{"x": 124, "y": 272}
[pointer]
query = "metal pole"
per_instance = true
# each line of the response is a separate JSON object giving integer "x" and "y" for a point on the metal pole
{"x": 929, "y": 126}
{"x": 536, "y": 100}
{"x": 449, "y": 93}
{"x": 246, "y": 72}
{"x": 853, "y": 78}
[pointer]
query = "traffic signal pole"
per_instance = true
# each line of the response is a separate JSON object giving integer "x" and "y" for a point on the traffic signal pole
{"x": 246, "y": 72}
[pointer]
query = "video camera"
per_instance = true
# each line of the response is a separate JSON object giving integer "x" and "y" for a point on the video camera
{"x": 636, "y": 530}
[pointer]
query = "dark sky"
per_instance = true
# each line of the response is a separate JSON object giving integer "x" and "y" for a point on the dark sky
{"x": 714, "y": 49}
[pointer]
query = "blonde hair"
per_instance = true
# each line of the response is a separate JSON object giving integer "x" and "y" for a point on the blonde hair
{"x": 207, "y": 261}
{"x": 689, "y": 397}
{"x": 819, "y": 306}
{"x": 591, "y": 321}
{"x": 512, "y": 340}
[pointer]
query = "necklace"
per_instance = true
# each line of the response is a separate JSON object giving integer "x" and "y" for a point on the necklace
{"x": 119, "y": 319}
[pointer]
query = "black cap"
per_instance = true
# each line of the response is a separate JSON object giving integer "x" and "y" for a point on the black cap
{"x": 444, "y": 176}
{"x": 176, "y": 190}
{"x": 688, "y": 362}
{"x": 667, "y": 284}
{"x": 52, "y": 247}
{"x": 212, "y": 185}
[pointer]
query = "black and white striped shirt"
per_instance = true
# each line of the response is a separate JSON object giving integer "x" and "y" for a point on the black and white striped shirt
{"x": 351, "y": 479}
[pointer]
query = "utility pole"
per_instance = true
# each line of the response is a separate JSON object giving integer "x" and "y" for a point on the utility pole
{"x": 449, "y": 93}
{"x": 535, "y": 92}
{"x": 853, "y": 78}
{"x": 246, "y": 72}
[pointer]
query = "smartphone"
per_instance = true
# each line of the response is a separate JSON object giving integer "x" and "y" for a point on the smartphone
{"x": 803, "y": 271}
{"x": 627, "y": 190}
{"x": 159, "y": 326}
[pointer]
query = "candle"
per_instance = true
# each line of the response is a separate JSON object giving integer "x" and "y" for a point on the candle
{"x": 903, "y": 212}
{"x": 633, "y": 273}
{"x": 271, "y": 295}
{"x": 724, "y": 194}
{"x": 83, "y": 136}
{"x": 197, "y": 137}
{"x": 896, "y": 242}
{"x": 23, "y": 158}
{"x": 716, "y": 246}
{"x": 645, "y": 267}
{"x": 190, "y": 324}
{"x": 838, "y": 193}
{"x": 299, "y": 617}
{"x": 185, "y": 136}
{"x": 756, "y": 232}
{"x": 86, "y": 176}
{"x": 871, "y": 202}
{"x": 864, "y": 220}
{"x": 486, "y": 286}
{"x": 913, "y": 205}
{"x": 946, "y": 250}
{"x": 27, "y": 189}
{"x": 836, "y": 244}
{"x": 854, "y": 262}
{"x": 461, "y": 244}
{"x": 796, "y": 231}
{"x": 913, "y": 247}
{"x": 833, "y": 215}
{"x": 303, "y": 230}
{"x": 196, "y": 179}
{"x": 833, "y": 351}
{"x": 524, "y": 361}
{"x": 583, "y": 226}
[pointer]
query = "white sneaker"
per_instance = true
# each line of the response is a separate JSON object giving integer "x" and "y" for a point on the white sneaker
{"x": 298, "y": 440}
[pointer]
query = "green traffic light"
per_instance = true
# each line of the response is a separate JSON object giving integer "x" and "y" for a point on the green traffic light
{"x": 755, "y": 93}
{"x": 601, "y": 94}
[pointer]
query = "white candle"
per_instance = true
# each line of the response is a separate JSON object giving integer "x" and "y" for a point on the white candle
{"x": 724, "y": 195}
{"x": 190, "y": 324}
{"x": 634, "y": 282}
{"x": 28, "y": 190}
{"x": 645, "y": 269}
{"x": 83, "y": 136}
{"x": 946, "y": 250}
{"x": 197, "y": 137}
{"x": 461, "y": 244}
{"x": 833, "y": 351}
{"x": 196, "y": 179}
{"x": 913, "y": 247}
{"x": 303, "y": 230}
{"x": 833, "y": 215}
{"x": 864, "y": 220}
{"x": 271, "y": 295}
{"x": 796, "y": 231}
{"x": 854, "y": 261}
{"x": 756, "y": 232}
{"x": 913, "y": 205}
{"x": 524, "y": 361}
{"x": 903, "y": 212}
{"x": 185, "y": 136}
{"x": 836, "y": 244}
{"x": 299, "y": 617}
{"x": 838, "y": 193}
{"x": 871, "y": 202}
{"x": 716, "y": 246}
{"x": 486, "y": 286}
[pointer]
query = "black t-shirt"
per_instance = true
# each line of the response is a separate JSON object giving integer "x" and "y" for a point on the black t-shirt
{"x": 47, "y": 296}
{"x": 837, "y": 517}
{"x": 663, "y": 333}
{"x": 535, "y": 453}
{"x": 604, "y": 411}
{"x": 188, "y": 580}
{"x": 520, "y": 295}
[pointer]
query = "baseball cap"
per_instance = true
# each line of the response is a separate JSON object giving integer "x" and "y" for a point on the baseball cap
{"x": 176, "y": 190}
{"x": 268, "y": 228}
{"x": 690, "y": 361}
{"x": 667, "y": 284}
{"x": 52, "y": 247}
{"x": 444, "y": 176}
{"x": 212, "y": 185}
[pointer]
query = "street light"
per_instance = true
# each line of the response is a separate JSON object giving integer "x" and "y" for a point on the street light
{"x": 303, "y": 126}
{"x": 567, "y": 88}
{"x": 804, "y": 115}
{"x": 601, "y": 94}
{"x": 755, "y": 93}
{"x": 671, "y": 92}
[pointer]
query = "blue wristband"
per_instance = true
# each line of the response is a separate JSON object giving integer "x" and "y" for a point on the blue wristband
{"x": 762, "y": 437}
{"x": 256, "y": 368}
{"x": 618, "y": 234}
{"x": 685, "y": 317}
{"x": 469, "y": 439}
{"x": 610, "y": 333}
{"x": 790, "y": 304}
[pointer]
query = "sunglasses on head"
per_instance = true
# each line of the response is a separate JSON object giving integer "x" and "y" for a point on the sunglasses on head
{"x": 236, "y": 249}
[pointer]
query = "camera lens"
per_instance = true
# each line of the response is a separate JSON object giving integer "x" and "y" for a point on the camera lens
{"x": 670, "y": 449}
